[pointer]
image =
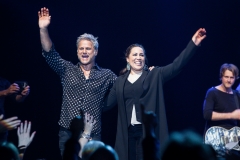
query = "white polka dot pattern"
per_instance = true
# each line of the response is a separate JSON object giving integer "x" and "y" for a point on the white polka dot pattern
{"x": 79, "y": 92}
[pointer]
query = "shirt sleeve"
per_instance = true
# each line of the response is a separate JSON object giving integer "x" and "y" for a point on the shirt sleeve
{"x": 113, "y": 78}
{"x": 54, "y": 60}
{"x": 208, "y": 105}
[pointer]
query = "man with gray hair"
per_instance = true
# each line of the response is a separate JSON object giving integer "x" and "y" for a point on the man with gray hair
{"x": 84, "y": 85}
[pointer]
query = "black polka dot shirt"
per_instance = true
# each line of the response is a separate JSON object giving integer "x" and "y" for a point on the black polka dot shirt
{"x": 79, "y": 92}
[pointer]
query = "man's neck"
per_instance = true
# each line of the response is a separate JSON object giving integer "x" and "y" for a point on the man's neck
{"x": 87, "y": 67}
{"x": 224, "y": 89}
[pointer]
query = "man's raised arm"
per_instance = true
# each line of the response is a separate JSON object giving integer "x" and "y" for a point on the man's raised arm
{"x": 43, "y": 22}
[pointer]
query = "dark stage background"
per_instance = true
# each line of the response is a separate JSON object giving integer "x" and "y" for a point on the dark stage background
{"x": 163, "y": 27}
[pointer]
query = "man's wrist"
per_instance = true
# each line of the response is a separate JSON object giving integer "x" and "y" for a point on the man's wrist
{"x": 44, "y": 29}
{"x": 85, "y": 132}
{"x": 22, "y": 149}
{"x": 86, "y": 136}
{"x": 22, "y": 146}
{"x": 230, "y": 116}
{"x": 5, "y": 92}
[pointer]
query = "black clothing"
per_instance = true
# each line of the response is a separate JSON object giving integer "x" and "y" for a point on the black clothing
{"x": 4, "y": 84}
{"x": 152, "y": 98}
{"x": 220, "y": 102}
{"x": 135, "y": 149}
{"x": 132, "y": 93}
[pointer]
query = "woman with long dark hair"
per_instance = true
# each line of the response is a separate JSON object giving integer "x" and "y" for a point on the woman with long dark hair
{"x": 138, "y": 85}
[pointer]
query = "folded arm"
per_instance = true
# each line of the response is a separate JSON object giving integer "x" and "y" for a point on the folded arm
{"x": 210, "y": 114}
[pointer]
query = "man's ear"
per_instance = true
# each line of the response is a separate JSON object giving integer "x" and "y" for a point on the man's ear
{"x": 95, "y": 53}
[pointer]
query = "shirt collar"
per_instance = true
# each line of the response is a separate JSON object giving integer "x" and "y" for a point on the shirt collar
{"x": 93, "y": 67}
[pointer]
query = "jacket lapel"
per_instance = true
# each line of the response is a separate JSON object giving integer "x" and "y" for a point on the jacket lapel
{"x": 121, "y": 85}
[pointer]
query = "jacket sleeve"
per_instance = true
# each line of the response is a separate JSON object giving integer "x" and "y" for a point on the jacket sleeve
{"x": 172, "y": 69}
{"x": 111, "y": 99}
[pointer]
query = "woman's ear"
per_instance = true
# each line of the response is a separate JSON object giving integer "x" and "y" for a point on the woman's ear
{"x": 127, "y": 60}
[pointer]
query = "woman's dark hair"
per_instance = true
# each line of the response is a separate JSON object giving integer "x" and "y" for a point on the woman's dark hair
{"x": 128, "y": 51}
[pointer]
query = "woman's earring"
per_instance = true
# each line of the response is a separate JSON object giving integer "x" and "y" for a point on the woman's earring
{"x": 128, "y": 67}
